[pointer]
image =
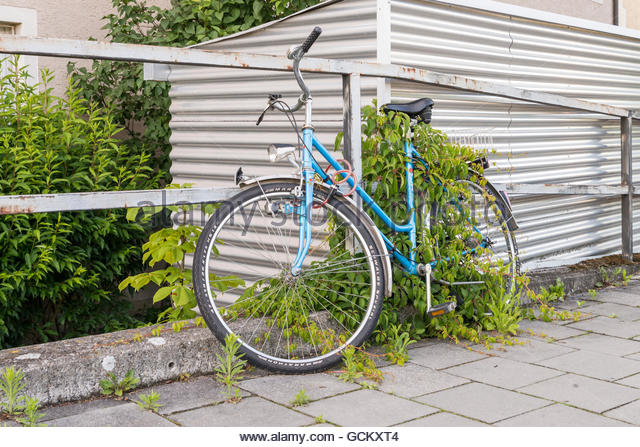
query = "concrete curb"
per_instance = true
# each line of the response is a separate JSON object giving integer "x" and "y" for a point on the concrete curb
{"x": 577, "y": 281}
{"x": 71, "y": 369}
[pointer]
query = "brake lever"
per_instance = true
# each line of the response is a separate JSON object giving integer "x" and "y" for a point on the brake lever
{"x": 272, "y": 98}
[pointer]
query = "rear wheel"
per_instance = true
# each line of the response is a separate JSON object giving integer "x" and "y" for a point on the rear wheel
{"x": 474, "y": 219}
{"x": 283, "y": 322}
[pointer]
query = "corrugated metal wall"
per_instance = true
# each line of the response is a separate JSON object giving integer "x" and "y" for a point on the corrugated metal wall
{"x": 534, "y": 143}
{"x": 214, "y": 110}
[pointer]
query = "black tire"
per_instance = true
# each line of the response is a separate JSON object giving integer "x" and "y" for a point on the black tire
{"x": 275, "y": 196}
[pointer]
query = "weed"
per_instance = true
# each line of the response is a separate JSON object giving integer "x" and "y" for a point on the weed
{"x": 396, "y": 346}
{"x": 592, "y": 293}
{"x": 183, "y": 377}
{"x": 555, "y": 292}
{"x": 613, "y": 316}
{"x": 178, "y": 325}
{"x": 11, "y": 383}
{"x": 580, "y": 303}
{"x": 300, "y": 399}
{"x": 200, "y": 322}
{"x": 31, "y": 414}
{"x": 149, "y": 401}
{"x": 358, "y": 364}
{"x": 110, "y": 385}
{"x": 138, "y": 337}
{"x": 319, "y": 420}
{"x": 157, "y": 331}
{"x": 231, "y": 367}
{"x": 625, "y": 277}
{"x": 369, "y": 385}
{"x": 350, "y": 373}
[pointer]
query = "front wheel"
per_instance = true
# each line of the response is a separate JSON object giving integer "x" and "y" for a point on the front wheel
{"x": 283, "y": 322}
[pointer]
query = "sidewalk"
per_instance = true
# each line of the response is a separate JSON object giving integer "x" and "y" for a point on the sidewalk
{"x": 584, "y": 373}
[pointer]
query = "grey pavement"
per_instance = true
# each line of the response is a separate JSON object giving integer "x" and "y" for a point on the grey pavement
{"x": 561, "y": 373}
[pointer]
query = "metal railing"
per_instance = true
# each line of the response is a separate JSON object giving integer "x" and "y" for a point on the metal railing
{"x": 351, "y": 73}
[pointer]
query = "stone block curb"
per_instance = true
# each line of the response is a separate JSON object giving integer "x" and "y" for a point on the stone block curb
{"x": 72, "y": 369}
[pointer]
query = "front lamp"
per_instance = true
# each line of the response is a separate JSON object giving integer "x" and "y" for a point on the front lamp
{"x": 279, "y": 152}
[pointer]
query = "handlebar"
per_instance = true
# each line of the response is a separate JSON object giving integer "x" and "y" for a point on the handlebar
{"x": 311, "y": 40}
{"x": 296, "y": 54}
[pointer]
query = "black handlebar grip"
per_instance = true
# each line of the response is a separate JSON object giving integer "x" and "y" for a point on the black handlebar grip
{"x": 311, "y": 39}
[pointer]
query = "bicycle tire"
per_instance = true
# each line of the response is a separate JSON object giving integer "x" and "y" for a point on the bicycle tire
{"x": 223, "y": 318}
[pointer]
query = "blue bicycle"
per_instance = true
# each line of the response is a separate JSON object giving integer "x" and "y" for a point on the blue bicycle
{"x": 311, "y": 267}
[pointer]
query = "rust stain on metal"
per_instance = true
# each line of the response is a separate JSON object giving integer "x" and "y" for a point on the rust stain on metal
{"x": 14, "y": 209}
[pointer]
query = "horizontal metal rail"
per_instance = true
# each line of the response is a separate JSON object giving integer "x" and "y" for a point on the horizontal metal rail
{"x": 208, "y": 58}
{"x": 579, "y": 190}
{"x": 102, "y": 200}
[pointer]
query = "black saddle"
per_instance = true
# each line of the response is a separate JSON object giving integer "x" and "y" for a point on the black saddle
{"x": 419, "y": 109}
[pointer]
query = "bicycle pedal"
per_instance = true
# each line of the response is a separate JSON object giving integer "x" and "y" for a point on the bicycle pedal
{"x": 443, "y": 308}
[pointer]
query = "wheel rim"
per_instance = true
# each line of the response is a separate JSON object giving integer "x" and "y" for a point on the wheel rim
{"x": 279, "y": 317}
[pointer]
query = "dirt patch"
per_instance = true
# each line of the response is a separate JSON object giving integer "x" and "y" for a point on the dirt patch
{"x": 606, "y": 261}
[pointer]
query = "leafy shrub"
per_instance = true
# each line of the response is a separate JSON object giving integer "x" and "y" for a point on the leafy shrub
{"x": 383, "y": 171}
{"x": 187, "y": 22}
{"x": 59, "y": 271}
{"x": 171, "y": 246}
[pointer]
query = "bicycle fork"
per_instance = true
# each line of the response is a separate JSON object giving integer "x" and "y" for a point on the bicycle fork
{"x": 304, "y": 230}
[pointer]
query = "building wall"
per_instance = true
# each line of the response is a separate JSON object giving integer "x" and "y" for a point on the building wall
{"x": 68, "y": 19}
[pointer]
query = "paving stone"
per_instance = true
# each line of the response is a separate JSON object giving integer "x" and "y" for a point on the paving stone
{"x": 8, "y": 424}
{"x": 609, "y": 326}
{"x": 443, "y": 419}
{"x": 559, "y": 415}
{"x": 483, "y": 402}
{"x": 413, "y": 380}
{"x": 283, "y": 388}
{"x": 531, "y": 351}
{"x": 602, "y": 343}
{"x": 367, "y": 408}
{"x": 443, "y": 355}
{"x": 181, "y": 396}
{"x": 633, "y": 381}
{"x": 584, "y": 392}
{"x": 126, "y": 415}
{"x": 594, "y": 364}
{"x": 249, "y": 412}
{"x": 630, "y": 297}
{"x": 504, "y": 373}
{"x": 572, "y": 302}
{"x": 544, "y": 329}
{"x": 622, "y": 312}
{"x": 73, "y": 408}
{"x": 628, "y": 413}
{"x": 634, "y": 356}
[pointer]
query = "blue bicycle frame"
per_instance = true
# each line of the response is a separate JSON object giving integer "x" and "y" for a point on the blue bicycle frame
{"x": 310, "y": 168}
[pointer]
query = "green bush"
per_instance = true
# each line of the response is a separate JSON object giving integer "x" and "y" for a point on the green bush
{"x": 187, "y": 22}
{"x": 383, "y": 172}
{"x": 59, "y": 271}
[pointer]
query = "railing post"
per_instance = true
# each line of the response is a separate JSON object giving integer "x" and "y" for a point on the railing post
{"x": 352, "y": 124}
{"x": 626, "y": 132}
